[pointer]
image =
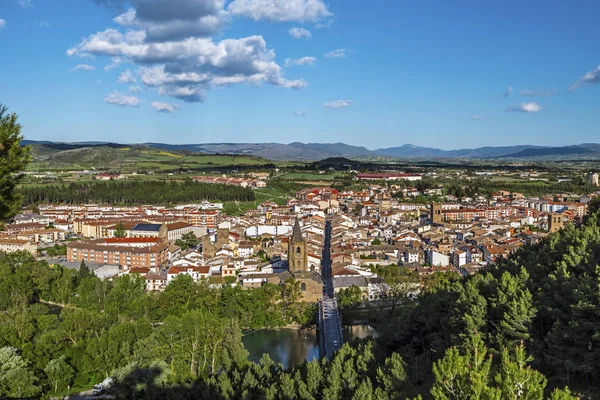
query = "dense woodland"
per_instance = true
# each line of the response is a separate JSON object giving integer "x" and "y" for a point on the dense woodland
{"x": 88, "y": 328}
{"x": 134, "y": 193}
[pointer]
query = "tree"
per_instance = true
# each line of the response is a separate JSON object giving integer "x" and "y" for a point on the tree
{"x": 13, "y": 159}
{"x": 16, "y": 379}
{"x": 349, "y": 297}
{"x": 59, "y": 372}
{"x": 120, "y": 230}
{"x": 84, "y": 271}
{"x": 376, "y": 242}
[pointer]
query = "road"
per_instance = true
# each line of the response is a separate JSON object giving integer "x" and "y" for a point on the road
{"x": 330, "y": 316}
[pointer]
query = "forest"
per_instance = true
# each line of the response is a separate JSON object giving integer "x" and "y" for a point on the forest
{"x": 61, "y": 327}
{"x": 133, "y": 193}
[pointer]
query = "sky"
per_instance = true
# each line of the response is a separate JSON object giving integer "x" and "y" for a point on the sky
{"x": 379, "y": 73}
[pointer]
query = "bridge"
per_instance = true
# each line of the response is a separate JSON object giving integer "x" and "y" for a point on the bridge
{"x": 330, "y": 326}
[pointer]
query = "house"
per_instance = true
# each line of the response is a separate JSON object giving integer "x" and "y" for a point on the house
{"x": 10, "y": 245}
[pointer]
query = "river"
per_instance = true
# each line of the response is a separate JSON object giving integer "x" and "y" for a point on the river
{"x": 290, "y": 346}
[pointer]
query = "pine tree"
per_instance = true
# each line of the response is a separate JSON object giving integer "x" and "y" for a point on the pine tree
{"x": 13, "y": 159}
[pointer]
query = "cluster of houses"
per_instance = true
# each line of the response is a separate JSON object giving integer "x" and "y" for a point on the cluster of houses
{"x": 275, "y": 243}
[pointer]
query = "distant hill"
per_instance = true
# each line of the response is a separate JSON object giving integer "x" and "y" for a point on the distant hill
{"x": 412, "y": 151}
{"x": 319, "y": 151}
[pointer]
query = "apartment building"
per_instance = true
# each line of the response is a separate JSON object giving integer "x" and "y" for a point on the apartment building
{"x": 127, "y": 252}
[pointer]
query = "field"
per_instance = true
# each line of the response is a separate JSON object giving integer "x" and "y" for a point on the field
{"x": 262, "y": 195}
{"x": 129, "y": 160}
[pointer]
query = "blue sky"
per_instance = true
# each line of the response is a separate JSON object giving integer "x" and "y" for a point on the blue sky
{"x": 430, "y": 73}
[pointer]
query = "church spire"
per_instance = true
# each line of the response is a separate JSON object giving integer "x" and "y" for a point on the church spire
{"x": 297, "y": 232}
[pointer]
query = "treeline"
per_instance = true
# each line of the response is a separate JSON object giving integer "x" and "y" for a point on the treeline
{"x": 134, "y": 193}
{"x": 61, "y": 327}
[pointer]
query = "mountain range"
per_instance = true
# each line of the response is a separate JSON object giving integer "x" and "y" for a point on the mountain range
{"x": 317, "y": 151}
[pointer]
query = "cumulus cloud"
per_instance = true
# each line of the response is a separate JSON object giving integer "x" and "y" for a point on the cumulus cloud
{"x": 98, "y": 82}
{"x": 280, "y": 10}
{"x": 477, "y": 117}
{"x": 184, "y": 69}
{"x": 122, "y": 100}
{"x": 25, "y": 3}
{"x": 126, "y": 77}
{"x": 508, "y": 92}
{"x": 590, "y": 78}
{"x": 2, "y": 24}
{"x": 165, "y": 107}
{"x": 299, "y": 33}
{"x": 336, "y": 105}
{"x": 300, "y": 61}
{"x": 134, "y": 89}
{"x": 539, "y": 93}
{"x": 338, "y": 53}
{"x": 45, "y": 24}
{"x": 175, "y": 19}
{"x": 114, "y": 63}
{"x": 84, "y": 67}
{"x": 531, "y": 107}
{"x": 300, "y": 113}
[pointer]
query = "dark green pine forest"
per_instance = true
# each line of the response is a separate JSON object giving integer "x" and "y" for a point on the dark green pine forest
{"x": 133, "y": 193}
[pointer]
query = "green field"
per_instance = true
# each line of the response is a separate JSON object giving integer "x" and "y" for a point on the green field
{"x": 128, "y": 160}
{"x": 262, "y": 195}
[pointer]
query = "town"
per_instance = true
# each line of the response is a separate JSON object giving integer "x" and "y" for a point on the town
{"x": 372, "y": 228}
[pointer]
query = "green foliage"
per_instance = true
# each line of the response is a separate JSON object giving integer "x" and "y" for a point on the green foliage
{"x": 349, "y": 297}
{"x": 59, "y": 373}
{"x": 13, "y": 159}
{"x": 134, "y": 193}
{"x": 376, "y": 242}
{"x": 120, "y": 230}
{"x": 17, "y": 380}
{"x": 187, "y": 241}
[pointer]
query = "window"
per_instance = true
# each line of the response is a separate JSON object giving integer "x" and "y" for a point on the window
{"x": 298, "y": 250}
{"x": 303, "y": 287}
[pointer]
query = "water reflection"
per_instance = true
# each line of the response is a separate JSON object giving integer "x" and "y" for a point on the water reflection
{"x": 286, "y": 346}
{"x": 291, "y": 347}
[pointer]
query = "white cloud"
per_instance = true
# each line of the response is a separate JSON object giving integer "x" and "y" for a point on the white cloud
{"x": 590, "y": 78}
{"x": 539, "y": 93}
{"x": 114, "y": 63}
{"x": 98, "y": 82}
{"x": 25, "y": 3}
{"x": 184, "y": 69}
{"x": 175, "y": 19}
{"x": 84, "y": 67}
{"x": 2, "y": 23}
{"x": 477, "y": 117}
{"x": 126, "y": 77}
{"x": 508, "y": 92}
{"x": 134, "y": 89}
{"x": 122, "y": 100}
{"x": 531, "y": 107}
{"x": 165, "y": 107}
{"x": 338, "y": 104}
{"x": 300, "y": 61}
{"x": 280, "y": 10}
{"x": 299, "y": 33}
{"x": 45, "y": 24}
{"x": 300, "y": 113}
{"x": 338, "y": 53}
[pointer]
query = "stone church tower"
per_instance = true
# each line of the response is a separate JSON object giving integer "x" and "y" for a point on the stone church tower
{"x": 297, "y": 257}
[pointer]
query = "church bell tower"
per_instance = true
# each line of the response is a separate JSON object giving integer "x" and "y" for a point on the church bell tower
{"x": 297, "y": 257}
